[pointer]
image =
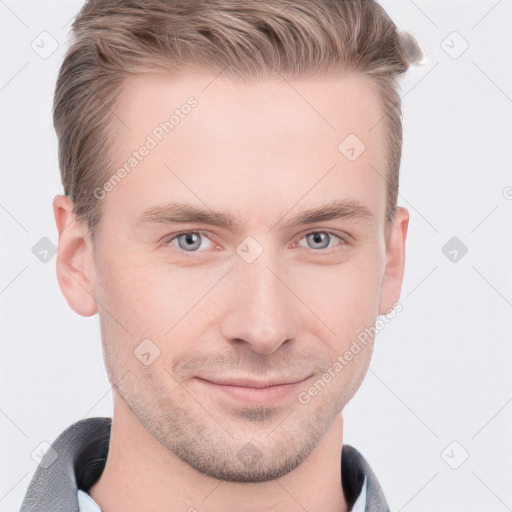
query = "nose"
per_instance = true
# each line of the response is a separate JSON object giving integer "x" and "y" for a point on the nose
{"x": 259, "y": 308}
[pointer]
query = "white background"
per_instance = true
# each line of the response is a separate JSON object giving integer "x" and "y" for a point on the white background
{"x": 441, "y": 370}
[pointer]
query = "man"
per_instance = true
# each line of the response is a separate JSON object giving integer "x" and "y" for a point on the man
{"x": 230, "y": 171}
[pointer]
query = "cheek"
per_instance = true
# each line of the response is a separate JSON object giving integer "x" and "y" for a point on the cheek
{"x": 339, "y": 382}
{"x": 345, "y": 296}
{"x": 360, "y": 304}
{"x": 347, "y": 301}
{"x": 150, "y": 308}
{"x": 140, "y": 299}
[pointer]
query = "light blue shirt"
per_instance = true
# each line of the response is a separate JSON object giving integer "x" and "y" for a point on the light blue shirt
{"x": 360, "y": 504}
{"x": 87, "y": 504}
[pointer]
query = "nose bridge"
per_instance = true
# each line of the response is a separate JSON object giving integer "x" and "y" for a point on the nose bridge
{"x": 259, "y": 310}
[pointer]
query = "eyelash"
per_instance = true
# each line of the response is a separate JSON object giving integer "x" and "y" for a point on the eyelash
{"x": 343, "y": 241}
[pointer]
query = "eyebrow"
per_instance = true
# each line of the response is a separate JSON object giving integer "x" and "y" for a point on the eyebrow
{"x": 175, "y": 212}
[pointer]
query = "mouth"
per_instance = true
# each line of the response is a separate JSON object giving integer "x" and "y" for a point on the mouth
{"x": 253, "y": 391}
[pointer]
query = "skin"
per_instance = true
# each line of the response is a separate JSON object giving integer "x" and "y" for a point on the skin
{"x": 264, "y": 154}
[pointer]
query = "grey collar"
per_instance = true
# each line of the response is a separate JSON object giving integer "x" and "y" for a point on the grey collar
{"x": 79, "y": 455}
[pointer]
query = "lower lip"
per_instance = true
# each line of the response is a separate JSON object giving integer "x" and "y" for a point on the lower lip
{"x": 268, "y": 395}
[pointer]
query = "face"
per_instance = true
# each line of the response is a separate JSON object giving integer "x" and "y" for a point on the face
{"x": 197, "y": 311}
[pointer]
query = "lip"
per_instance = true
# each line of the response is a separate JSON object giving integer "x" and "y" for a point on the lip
{"x": 259, "y": 392}
{"x": 244, "y": 382}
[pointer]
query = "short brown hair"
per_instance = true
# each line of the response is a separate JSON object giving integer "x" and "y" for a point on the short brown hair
{"x": 113, "y": 39}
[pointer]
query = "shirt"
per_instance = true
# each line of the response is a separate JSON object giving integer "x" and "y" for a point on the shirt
{"x": 87, "y": 504}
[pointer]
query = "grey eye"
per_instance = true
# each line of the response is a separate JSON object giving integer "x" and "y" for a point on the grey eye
{"x": 319, "y": 238}
{"x": 191, "y": 241}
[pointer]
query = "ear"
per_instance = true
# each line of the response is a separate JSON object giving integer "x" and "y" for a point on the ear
{"x": 395, "y": 262}
{"x": 75, "y": 263}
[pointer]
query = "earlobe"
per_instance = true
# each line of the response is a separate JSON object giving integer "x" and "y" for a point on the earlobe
{"x": 75, "y": 265}
{"x": 395, "y": 262}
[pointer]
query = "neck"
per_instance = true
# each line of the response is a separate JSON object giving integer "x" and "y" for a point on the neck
{"x": 141, "y": 474}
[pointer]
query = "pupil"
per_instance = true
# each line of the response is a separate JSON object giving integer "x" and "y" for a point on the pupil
{"x": 317, "y": 237}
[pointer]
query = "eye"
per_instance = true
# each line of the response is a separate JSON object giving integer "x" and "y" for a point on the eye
{"x": 320, "y": 240}
{"x": 189, "y": 241}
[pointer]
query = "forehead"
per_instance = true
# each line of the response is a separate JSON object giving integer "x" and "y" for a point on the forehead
{"x": 333, "y": 104}
{"x": 249, "y": 143}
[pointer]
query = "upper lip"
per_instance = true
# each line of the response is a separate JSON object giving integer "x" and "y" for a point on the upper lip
{"x": 246, "y": 382}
